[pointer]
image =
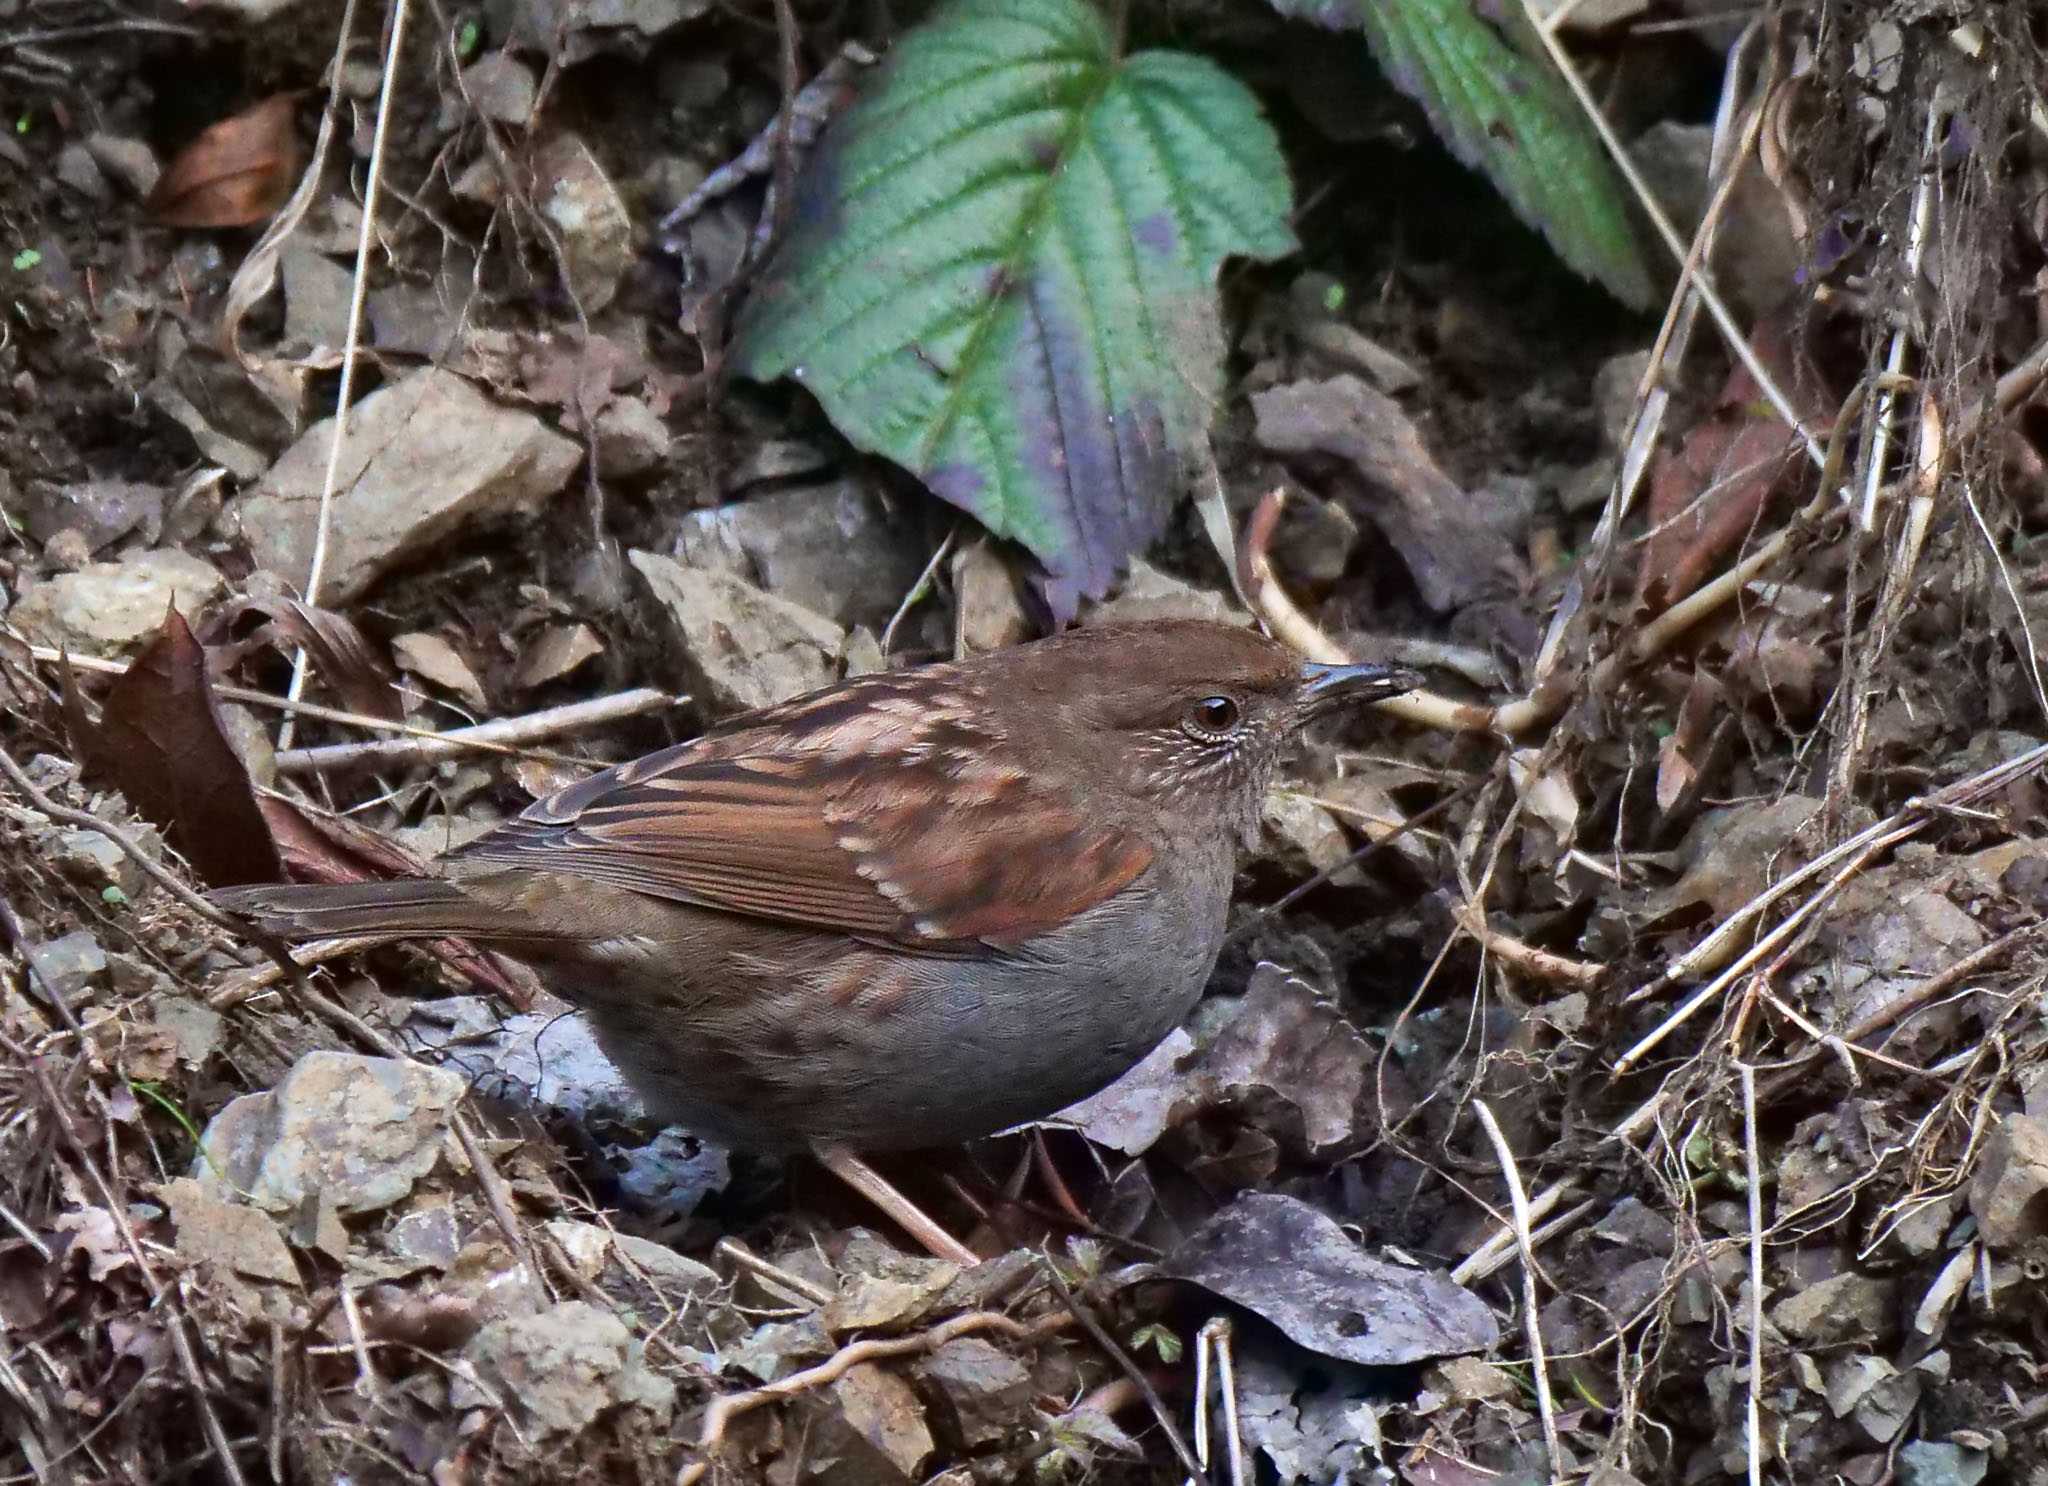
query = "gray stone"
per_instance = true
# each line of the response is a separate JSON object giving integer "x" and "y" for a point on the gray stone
{"x": 1315, "y": 542}
{"x": 675, "y": 1275}
{"x": 1614, "y": 396}
{"x": 873, "y": 1422}
{"x": 1146, "y": 593}
{"x": 631, "y": 438}
{"x": 68, "y": 550}
{"x": 988, "y": 601}
{"x": 1843, "y": 1308}
{"x": 316, "y": 298}
{"x": 77, "y": 169}
{"x": 70, "y": 966}
{"x": 1926, "y": 1463}
{"x": 2006, "y": 1194}
{"x": 108, "y": 607}
{"x": 194, "y": 1026}
{"x": 596, "y": 231}
{"x": 502, "y": 88}
{"x": 426, "y": 1235}
{"x": 560, "y": 1369}
{"x": 1302, "y": 838}
{"x": 837, "y": 549}
{"x": 981, "y": 1390}
{"x": 227, "y": 1233}
{"x": 742, "y": 647}
{"x": 354, "y": 1131}
{"x": 594, "y": 1251}
{"x": 129, "y": 161}
{"x": 423, "y": 459}
{"x": 91, "y": 858}
{"x": 779, "y": 1348}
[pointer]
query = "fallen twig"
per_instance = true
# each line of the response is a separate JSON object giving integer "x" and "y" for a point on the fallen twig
{"x": 478, "y": 739}
{"x": 420, "y": 746}
{"x": 1539, "y": 964}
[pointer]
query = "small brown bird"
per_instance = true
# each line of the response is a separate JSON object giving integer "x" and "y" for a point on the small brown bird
{"x": 908, "y": 910}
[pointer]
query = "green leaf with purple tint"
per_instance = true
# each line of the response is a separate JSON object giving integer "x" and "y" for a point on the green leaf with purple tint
{"x": 1509, "y": 115}
{"x": 1001, "y": 273}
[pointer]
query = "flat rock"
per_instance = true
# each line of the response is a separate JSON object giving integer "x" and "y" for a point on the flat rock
{"x": 69, "y": 966}
{"x": 108, "y": 607}
{"x": 837, "y": 549}
{"x": 560, "y": 1369}
{"x": 316, "y": 298}
{"x": 596, "y": 231}
{"x": 423, "y": 459}
{"x": 129, "y": 161}
{"x": 980, "y": 1389}
{"x": 1147, "y": 594}
{"x": 227, "y": 1233}
{"x": 595, "y": 1250}
{"x": 2012, "y": 1174}
{"x": 502, "y": 88}
{"x": 1841, "y": 1308}
{"x": 352, "y": 1131}
{"x": 631, "y": 438}
{"x": 742, "y": 647}
{"x": 873, "y": 1422}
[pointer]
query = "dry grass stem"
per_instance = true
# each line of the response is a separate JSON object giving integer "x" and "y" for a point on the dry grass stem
{"x": 351, "y": 348}
{"x": 1754, "y": 1169}
{"x": 1539, "y": 1364}
{"x": 1492, "y": 1256}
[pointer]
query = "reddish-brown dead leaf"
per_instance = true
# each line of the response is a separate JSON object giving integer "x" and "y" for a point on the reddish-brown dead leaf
{"x": 234, "y": 174}
{"x": 1741, "y": 447}
{"x": 160, "y": 739}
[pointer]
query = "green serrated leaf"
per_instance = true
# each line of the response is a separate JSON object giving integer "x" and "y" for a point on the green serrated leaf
{"x": 1002, "y": 267}
{"x": 1509, "y": 115}
{"x": 1160, "y": 1338}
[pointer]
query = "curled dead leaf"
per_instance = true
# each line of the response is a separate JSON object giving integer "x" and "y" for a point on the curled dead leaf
{"x": 236, "y": 173}
{"x": 342, "y": 655}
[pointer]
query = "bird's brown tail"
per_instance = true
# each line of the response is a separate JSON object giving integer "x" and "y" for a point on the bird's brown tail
{"x": 409, "y": 908}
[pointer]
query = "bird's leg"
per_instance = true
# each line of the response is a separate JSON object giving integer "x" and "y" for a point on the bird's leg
{"x": 919, "y": 1224}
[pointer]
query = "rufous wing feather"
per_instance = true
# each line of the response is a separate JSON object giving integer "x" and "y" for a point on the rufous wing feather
{"x": 878, "y": 809}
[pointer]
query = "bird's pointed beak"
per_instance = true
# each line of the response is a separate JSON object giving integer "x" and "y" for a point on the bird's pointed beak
{"x": 1325, "y": 686}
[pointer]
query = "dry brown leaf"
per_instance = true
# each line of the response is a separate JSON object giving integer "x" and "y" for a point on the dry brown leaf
{"x": 1682, "y": 757}
{"x": 341, "y": 654}
{"x": 1708, "y": 494}
{"x": 236, "y": 173}
{"x": 160, "y": 739}
{"x": 433, "y": 659}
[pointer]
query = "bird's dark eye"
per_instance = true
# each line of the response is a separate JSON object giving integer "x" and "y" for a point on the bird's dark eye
{"x": 1213, "y": 715}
